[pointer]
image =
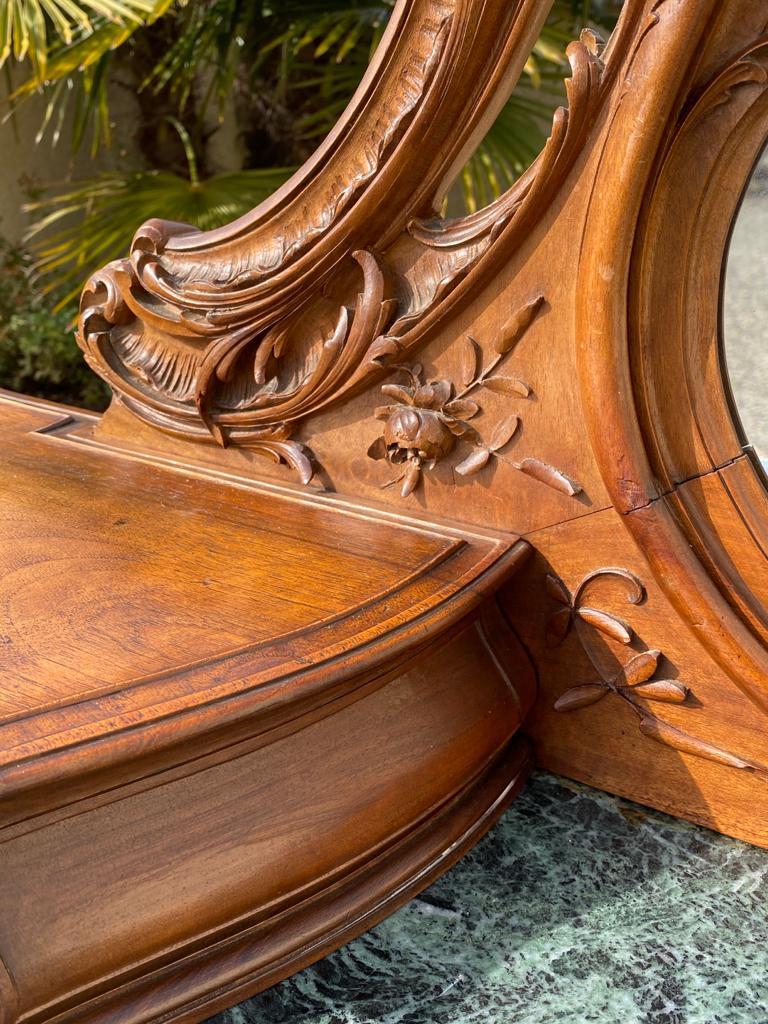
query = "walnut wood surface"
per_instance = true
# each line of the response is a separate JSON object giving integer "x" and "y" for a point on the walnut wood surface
{"x": 259, "y": 686}
{"x": 202, "y": 606}
{"x": 240, "y": 722}
{"x": 216, "y": 880}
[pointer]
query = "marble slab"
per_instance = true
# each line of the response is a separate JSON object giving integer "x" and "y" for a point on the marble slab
{"x": 577, "y": 907}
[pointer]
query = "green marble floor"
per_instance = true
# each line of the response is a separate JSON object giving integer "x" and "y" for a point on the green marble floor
{"x": 577, "y": 907}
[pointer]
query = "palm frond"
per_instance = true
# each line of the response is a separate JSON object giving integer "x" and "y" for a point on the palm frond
{"x": 75, "y": 76}
{"x": 37, "y": 28}
{"x": 336, "y": 32}
{"x": 77, "y": 230}
{"x": 210, "y": 35}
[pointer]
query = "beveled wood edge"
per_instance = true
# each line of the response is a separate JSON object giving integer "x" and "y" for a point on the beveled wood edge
{"x": 47, "y": 774}
{"x": 235, "y": 966}
{"x": 450, "y": 603}
{"x": 489, "y": 622}
{"x": 706, "y": 168}
{"x": 486, "y": 547}
{"x": 395, "y": 596}
{"x": 58, "y": 409}
{"x": 661, "y": 59}
{"x": 156, "y": 769}
{"x": 72, "y": 425}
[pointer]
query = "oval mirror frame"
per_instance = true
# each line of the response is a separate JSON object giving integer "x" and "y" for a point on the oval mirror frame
{"x": 692, "y": 494}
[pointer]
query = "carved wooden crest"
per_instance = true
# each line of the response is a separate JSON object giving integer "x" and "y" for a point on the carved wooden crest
{"x": 238, "y": 334}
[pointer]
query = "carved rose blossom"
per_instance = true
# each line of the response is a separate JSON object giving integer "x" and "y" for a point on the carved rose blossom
{"x": 422, "y": 428}
{"x": 418, "y": 431}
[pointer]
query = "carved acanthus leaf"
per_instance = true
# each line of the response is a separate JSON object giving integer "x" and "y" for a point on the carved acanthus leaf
{"x": 232, "y": 386}
{"x": 570, "y": 126}
{"x": 200, "y": 334}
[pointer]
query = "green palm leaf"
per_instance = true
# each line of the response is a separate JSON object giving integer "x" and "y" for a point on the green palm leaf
{"x": 35, "y": 28}
{"x": 78, "y": 230}
{"x": 74, "y": 72}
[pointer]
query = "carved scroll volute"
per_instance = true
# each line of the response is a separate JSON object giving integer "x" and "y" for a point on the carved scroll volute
{"x": 228, "y": 335}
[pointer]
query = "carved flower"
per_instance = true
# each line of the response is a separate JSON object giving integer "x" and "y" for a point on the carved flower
{"x": 417, "y": 430}
{"x": 422, "y": 427}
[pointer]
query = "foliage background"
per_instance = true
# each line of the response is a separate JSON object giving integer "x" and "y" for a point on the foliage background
{"x": 230, "y": 96}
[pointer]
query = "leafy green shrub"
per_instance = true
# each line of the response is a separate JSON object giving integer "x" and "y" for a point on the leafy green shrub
{"x": 38, "y": 353}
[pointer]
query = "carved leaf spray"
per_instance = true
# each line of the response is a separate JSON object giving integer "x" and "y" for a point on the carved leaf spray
{"x": 429, "y": 418}
{"x": 634, "y": 682}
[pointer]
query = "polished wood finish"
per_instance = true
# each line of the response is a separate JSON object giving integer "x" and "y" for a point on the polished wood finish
{"x": 240, "y": 721}
{"x": 209, "y": 604}
{"x": 272, "y": 627}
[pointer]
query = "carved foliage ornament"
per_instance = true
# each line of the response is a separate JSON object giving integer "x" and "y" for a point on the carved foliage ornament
{"x": 232, "y": 335}
{"x": 635, "y": 682}
{"x": 424, "y": 426}
{"x": 428, "y": 419}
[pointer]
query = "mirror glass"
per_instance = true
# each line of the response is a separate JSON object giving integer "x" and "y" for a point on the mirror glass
{"x": 745, "y": 310}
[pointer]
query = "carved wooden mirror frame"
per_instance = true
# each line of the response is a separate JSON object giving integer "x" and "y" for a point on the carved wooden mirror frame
{"x": 606, "y": 438}
{"x": 345, "y": 361}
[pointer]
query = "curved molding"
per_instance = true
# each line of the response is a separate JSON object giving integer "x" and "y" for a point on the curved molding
{"x": 562, "y": 146}
{"x": 679, "y": 366}
{"x": 709, "y": 160}
{"x": 225, "y": 692}
{"x": 613, "y": 249}
{"x": 224, "y": 966}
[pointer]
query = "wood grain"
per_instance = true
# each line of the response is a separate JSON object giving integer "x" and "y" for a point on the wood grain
{"x": 195, "y": 613}
{"x": 238, "y": 872}
{"x": 252, "y": 697}
{"x": 239, "y": 723}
